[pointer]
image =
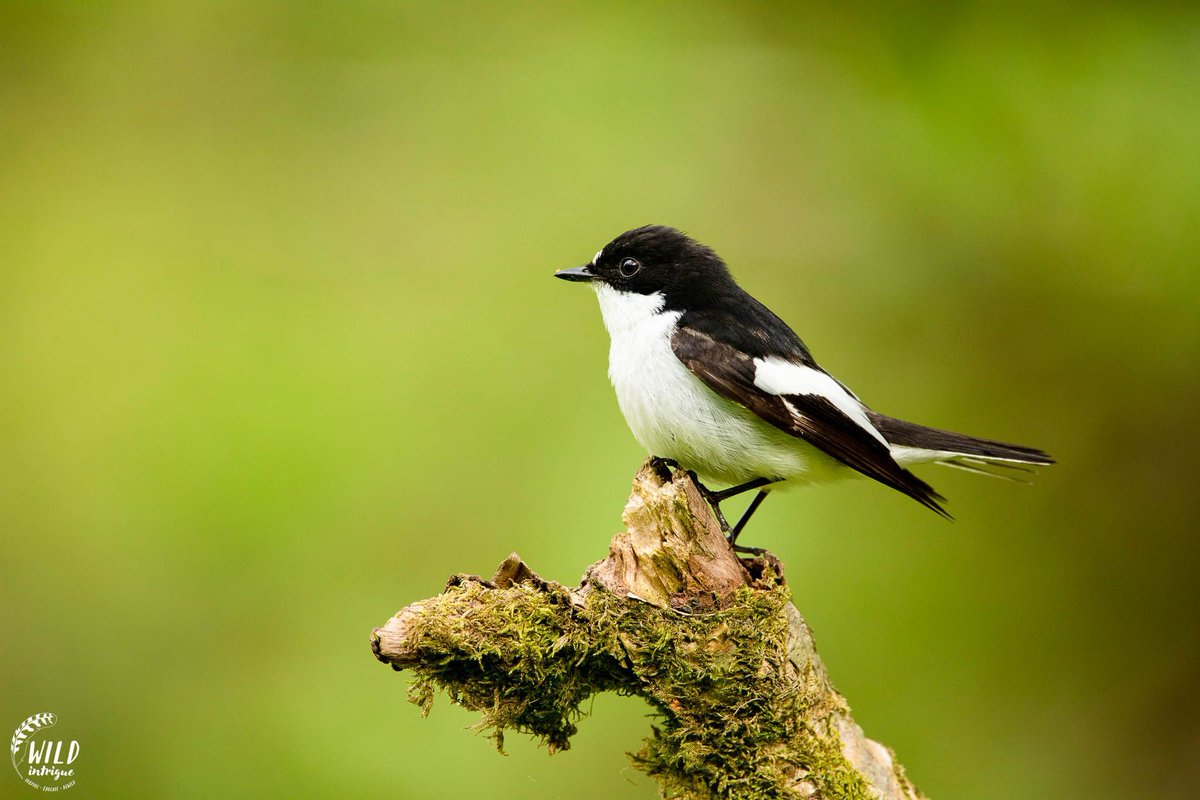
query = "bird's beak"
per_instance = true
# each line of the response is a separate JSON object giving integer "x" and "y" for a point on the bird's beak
{"x": 583, "y": 273}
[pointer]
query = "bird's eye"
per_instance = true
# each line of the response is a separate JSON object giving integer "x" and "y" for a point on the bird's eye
{"x": 629, "y": 267}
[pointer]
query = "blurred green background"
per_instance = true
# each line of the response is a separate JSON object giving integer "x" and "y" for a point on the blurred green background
{"x": 281, "y": 351}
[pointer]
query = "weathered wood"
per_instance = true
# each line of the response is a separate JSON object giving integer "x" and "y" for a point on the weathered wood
{"x": 711, "y": 641}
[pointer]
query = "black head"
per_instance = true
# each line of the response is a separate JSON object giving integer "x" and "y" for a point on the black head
{"x": 657, "y": 259}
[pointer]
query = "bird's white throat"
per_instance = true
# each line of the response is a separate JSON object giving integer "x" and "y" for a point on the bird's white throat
{"x": 628, "y": 313}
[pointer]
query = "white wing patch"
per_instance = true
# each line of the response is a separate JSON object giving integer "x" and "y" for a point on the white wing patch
{"x": 779, "y": 377}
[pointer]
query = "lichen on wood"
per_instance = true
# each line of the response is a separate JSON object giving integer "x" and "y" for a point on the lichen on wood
{"x": 744, "y": 706}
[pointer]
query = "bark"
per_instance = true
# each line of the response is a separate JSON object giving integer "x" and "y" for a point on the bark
{"x": 712, "y": 641}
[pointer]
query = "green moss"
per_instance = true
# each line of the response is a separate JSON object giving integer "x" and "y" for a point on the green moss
{"x": 730, "y": 706}
{"x": 517, "y": 655}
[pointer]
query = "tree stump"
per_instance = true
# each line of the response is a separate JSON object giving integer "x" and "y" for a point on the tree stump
{"x": 712, "y": 641}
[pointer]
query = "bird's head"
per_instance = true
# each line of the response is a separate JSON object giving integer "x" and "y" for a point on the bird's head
{"x": 656, "y": 259}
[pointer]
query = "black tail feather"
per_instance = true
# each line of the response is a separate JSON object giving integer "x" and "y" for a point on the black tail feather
{"x": 909, "y": 434}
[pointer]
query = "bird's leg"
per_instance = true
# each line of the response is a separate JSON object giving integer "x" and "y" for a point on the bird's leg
{"x": 715, "y": 499}
{"x": 720, "y": 515}
{"x": 714, "y": 502}
{"x": 733, "y": 491}
{"x": 741, "y": 523}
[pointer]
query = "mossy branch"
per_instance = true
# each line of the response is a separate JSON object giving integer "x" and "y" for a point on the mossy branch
{"x": 712, "y": 642}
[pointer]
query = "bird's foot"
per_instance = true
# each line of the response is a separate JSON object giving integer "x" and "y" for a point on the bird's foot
{"x": 741, "y": 548}
{"x": 663, "y": 466}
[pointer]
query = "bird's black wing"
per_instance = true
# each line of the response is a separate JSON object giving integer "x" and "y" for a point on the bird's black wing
{"x": 730, "y": 372}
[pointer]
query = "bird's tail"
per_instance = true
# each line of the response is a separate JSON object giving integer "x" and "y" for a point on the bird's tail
{"x": 918, "y": 444}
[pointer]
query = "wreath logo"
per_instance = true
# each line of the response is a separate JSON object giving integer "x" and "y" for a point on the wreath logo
{"x": 44, "y": 763}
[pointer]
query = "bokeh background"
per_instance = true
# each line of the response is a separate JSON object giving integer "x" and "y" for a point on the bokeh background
{"x": 281, "y": 351}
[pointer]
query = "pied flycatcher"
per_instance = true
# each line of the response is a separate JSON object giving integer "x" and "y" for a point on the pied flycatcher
{"x": 709, "y": 379}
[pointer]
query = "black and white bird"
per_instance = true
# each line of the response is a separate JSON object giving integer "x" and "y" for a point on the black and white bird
{"x": 710, "y": 379}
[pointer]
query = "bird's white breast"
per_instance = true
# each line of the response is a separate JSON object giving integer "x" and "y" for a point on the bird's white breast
{"x": 674, "y": 415}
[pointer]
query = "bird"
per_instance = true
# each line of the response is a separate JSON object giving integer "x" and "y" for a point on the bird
{"x": 711, "y": 381}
